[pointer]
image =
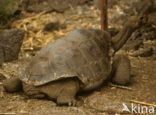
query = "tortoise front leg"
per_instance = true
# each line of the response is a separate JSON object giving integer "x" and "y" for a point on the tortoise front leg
{"x": 68, "y": 93}
{"x": 121, "y": 69}
{"x": 67, "y": 97}
{"x": 63, "y": 91}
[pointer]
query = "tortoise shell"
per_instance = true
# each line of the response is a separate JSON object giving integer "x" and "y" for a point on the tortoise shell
{"x": 84, "y": 54}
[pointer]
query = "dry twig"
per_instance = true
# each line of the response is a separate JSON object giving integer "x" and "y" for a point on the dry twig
{"x": 143, "y": 103}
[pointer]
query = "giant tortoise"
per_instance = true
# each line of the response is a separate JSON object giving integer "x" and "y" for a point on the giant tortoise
{"x": 78, "y": 62}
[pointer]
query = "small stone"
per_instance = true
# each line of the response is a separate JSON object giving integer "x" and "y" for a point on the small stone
{"x": 51, "y": 26}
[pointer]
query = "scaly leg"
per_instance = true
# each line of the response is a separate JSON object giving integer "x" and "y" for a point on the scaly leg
{"x": 121, "y": 69}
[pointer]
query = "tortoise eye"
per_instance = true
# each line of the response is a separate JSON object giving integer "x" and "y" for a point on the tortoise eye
{"x": 135, "y": 24}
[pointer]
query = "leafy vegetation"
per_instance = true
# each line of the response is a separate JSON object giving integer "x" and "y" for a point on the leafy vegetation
{"x": 7, "y": 9}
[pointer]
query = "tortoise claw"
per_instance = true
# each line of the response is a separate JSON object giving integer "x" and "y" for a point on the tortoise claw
{"x": 72, "y": 103}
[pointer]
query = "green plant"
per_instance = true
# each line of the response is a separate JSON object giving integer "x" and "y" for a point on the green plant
{"x": 7, "y": 9}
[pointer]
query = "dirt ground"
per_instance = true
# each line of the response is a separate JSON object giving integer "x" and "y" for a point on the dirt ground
{"x": 107, "y": 100}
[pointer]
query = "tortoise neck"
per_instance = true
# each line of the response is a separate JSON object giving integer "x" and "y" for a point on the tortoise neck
{"x": 120, "y": 39}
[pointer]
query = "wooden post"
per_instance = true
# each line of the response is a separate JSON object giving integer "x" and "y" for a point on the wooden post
{"x": 104, "y": 22}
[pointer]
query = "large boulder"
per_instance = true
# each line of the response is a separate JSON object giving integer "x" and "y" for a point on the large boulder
{"x": 10, "y": 44}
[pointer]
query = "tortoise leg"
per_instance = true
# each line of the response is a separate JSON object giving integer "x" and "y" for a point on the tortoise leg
{"x": 63, "y": 91}
{"x": 12, "y": 85}
{"x": 68, "y": 93}
{"x": 121, "y": 69}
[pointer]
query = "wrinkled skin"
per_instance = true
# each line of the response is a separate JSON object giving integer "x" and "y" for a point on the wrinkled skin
{"x": 64, "y": 91}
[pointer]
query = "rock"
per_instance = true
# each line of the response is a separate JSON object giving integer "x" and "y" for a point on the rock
{"x": 53, "y": 26}
{"x": 50, "y": 5}
{"x": 104, "y": 104}
{"x": 10, "y": 44}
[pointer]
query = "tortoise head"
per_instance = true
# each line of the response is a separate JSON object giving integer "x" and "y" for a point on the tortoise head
{"x": 130, "y": 26}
